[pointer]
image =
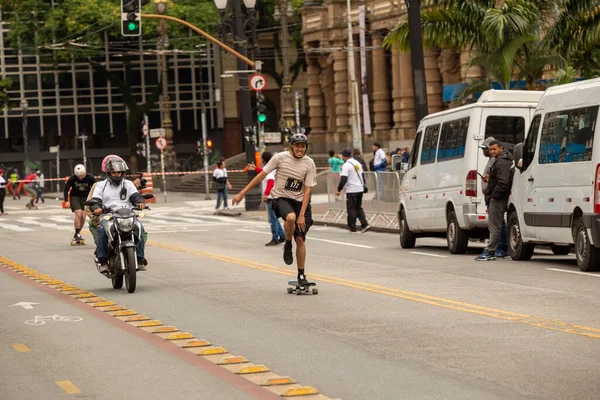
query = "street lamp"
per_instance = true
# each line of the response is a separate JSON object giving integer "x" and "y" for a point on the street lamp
{"x": 24, "y": 106}
{"x": 237, "y": 24}
{"x": 283, "y": 11}
{"x": 162, "y": 45}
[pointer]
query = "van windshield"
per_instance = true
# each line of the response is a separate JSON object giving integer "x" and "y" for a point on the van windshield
{"x": 507, "y": 130}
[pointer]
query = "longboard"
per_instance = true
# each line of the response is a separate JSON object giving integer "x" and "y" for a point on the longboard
{"x": 78, "y": 242}
{"x": 304, "y": 289}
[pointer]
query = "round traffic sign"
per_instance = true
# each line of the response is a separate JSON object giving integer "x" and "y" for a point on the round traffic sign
{"x": 161, "y": 143}
{"x": 258, "y": 82}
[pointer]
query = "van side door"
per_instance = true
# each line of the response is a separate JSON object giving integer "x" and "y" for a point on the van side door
{"x": 426, "y": 178}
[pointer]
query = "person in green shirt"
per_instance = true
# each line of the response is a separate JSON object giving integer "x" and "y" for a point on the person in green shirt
{"x": 335, "y": 162}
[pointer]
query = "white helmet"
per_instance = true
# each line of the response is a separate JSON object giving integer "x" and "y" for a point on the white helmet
{"x": 79, "y": 170}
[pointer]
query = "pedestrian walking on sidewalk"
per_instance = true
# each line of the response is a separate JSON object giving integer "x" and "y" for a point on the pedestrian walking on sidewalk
{"x": 39, "y": 184}
{"x": 334, "y": 162}
{"x": 295, "y": 178}
{"x": 2, "y": 191}
{"x": 498, "y": 190}
{"x": 352, "y": 177}
{"x": 222, "y": 184}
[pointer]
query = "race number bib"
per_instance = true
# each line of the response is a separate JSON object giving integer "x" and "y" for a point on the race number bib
{"x": 293, "y": 185}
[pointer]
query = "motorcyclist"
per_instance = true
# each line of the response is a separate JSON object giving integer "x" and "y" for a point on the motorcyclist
{"x": 113, "y": 193}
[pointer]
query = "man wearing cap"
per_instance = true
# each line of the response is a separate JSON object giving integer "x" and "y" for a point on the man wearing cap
{"x": 352, "y": 177}
{"x": 502, "y": 250}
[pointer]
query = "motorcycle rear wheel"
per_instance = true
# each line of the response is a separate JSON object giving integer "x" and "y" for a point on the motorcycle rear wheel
{"x": 130, "y": 272}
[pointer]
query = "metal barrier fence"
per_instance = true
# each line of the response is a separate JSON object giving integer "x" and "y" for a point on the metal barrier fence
{"x": 380, "y": 203}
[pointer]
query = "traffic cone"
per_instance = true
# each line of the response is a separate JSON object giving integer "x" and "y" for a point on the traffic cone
{"x": 149, "y": 187}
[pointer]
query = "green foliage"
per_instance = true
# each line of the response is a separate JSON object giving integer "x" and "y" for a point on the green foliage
{"x": 565, "y": 32}
{"x": 5, "y": 84}
{"x": 564, "y": 76}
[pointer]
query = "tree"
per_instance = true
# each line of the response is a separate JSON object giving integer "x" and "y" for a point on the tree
{"x": 493, "y": 30}
{"x": 5, "y": 84}
{"x": 79, "y": 28}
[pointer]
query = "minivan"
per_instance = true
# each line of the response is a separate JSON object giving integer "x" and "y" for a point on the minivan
{"x": 441, "y": 190}
{"x": 555, "y": 197}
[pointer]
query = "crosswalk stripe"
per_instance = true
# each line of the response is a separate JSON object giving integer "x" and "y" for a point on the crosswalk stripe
{"x": 44, "y": 224}
{"x": 64, "y": 220}
{"x": 15, "y": 228}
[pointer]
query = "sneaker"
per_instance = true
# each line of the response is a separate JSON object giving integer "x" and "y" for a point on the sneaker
{"x": 485, "y": 256}
{"x": 302, "y": 280}
{"x": 142, "y": 264}
{"x": 366, "y": 228}
{"x": 351, "y": 231}
{"x": 288, "y": 257}
{"x": 103, "y": 266}
{"x": 501, "y": 254}
{"x": 273, "y": 243}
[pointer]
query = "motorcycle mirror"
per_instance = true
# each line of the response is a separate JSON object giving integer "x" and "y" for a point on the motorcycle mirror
{"x": 148, "y": 196}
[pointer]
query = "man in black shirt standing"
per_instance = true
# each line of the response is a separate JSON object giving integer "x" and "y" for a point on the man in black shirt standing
{"x": 79, "y": 186}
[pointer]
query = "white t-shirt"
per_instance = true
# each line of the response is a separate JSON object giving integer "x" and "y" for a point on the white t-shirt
{"x": 379, "y": 157}
{"x": 220, "y": 173}
{"x": 270, "y": 177}
{"x": 111, "y": 194}
{"x": 353, "y": 170}
{"x": 2, "y": 182}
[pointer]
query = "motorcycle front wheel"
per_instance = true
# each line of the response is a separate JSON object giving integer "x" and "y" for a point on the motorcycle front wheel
{"x": 130, "y": 272}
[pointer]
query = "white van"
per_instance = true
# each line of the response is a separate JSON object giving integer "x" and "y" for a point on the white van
{"x": 441, "y": 191}
{"x": 555, "y": 195}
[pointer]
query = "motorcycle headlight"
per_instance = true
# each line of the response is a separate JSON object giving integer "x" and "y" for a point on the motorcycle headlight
{"x": 125, "y": 224}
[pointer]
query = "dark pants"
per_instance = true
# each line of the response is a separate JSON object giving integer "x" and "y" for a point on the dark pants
{"x": 354, "y": 208}
{"x": 2, "y": 194}
{"x": 496, "y": 212}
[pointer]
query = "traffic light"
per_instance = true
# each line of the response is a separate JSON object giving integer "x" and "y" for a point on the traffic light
{"x": 260, "y": 108}
{"x": 131, "y": 20}
{"x": 209, "y": 144}
{"x": 141, "y": 149}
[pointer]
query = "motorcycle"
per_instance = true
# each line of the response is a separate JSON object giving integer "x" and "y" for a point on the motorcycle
{"x": 123, "y": 231}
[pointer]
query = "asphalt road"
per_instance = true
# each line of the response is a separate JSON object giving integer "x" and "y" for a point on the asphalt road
{"x": 387, "y": 323}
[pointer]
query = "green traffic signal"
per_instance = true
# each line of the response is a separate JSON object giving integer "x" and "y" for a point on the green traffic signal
{"x": 132, "y": 26}
{"x": 262, "y": 117}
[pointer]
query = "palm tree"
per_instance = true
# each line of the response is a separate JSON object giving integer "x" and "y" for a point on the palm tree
{"x": 518, "y": 37}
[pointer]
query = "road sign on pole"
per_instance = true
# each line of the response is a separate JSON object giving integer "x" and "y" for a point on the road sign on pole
{"x": 161, "y": 143}
{"x": 258, "y": 82}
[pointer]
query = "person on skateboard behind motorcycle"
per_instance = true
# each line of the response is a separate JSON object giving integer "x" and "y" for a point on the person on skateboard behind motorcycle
{"x": 114, "y": 193}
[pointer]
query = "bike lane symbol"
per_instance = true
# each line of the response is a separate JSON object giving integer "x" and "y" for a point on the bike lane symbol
{"x": 41, "y": 320}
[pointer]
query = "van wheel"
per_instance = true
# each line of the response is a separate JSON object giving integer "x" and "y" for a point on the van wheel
{"x": 586, "y": 254}
{"x": 560, "y": 250}
{"x": 407, "y": 238}
{"x": 458, "y": 239}
{"x": 518, "y": 250}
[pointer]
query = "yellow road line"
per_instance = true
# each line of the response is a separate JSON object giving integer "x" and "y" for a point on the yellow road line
{"x": 21, "y": 348}
{"x": 540, "y": 322}
{"x": 68, "y": 387}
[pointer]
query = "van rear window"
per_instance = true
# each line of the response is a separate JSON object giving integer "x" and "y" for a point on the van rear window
{"x": 507, "y": 130}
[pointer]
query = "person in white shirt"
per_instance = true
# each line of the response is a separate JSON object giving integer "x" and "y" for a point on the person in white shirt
{"x": 352, "y": 177}
{"x": 222, "y": 183}
{"x": 39, "y": 186}
{"x": 379, "y": 165}
{"x": 2, "y": 191}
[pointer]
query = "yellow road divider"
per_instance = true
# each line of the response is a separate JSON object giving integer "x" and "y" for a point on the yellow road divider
{"x": 68, "y": 387}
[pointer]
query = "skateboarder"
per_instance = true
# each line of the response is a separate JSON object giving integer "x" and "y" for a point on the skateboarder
{"x": 296, "y": 176}
{"x": 79, "y": 185}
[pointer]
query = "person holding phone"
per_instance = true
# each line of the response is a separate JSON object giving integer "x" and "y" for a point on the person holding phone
{"x": 502, "y": 251}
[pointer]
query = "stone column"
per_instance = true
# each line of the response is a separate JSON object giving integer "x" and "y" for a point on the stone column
{"x": 396, "y": 90}
{"x": 382, "y": 116}
{"x": 433, "y": 80}
{"x": 342, "y": 100}
{"x": 407, "y": 101}
{"x": 316, "y": 102}
{"x": 474, "y": 72}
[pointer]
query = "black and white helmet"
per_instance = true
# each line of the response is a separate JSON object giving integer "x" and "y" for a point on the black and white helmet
{"x": 115, "y": 164}
{"x": 299, "y": 138}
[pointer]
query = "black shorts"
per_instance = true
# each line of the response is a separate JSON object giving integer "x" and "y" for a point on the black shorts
{"x": 284, "y": 206}
{"x": 78, "y": 203}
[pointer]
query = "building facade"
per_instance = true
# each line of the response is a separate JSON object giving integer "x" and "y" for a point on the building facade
{"x": 389, "y": 82}
{"x": 69, "y": 100}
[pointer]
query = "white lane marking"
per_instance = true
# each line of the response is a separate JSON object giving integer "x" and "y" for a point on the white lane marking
{"x": 573, "y": 272}
{"x": 63, "y": 220}
{"x": 15, "y": 228}
{"x": 184, "y": 229}
{"x": 427, "y": 254}
{"x": 168, "y": 216}
{"x": 317, "y": 239}
{"x": 44, "y": 224}
{"x": 25, "y": 304}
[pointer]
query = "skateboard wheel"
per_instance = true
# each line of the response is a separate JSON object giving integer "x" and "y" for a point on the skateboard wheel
{"x": 315, "y": 291}
{"x": 290, "y": 290}
{"x": 298, "y": 292}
